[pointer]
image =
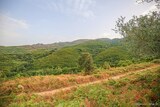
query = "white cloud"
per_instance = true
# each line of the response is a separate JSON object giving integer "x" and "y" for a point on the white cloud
{"x": 97, "y": 35}
{"x": 137, "y": 2}
{"x": 10, "y": 29}
{"x": 7, "y": 22}
{"x": 110, "y": 36}
{"x": 77, "y": 7}
{"x": 151, "y": 9}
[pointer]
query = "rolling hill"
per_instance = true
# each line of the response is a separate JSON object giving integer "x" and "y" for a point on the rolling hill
{"x": 27, "y": 59}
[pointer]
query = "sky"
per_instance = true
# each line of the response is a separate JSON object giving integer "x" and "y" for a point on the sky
{"x": 24, "y": 22}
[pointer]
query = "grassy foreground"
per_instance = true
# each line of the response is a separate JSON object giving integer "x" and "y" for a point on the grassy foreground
{"x": 136, "y": 89}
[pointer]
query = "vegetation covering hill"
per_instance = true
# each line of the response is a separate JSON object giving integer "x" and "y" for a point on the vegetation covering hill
{"x": 56, "y": 58}
{"x": 68, "y": 56}
{"x": 39, "y": 46}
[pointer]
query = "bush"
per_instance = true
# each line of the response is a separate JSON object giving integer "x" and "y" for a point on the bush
{"x": 156, "y": 61}
{"x": 86, "y": 63}
{"x": 112, "y": 55}
{"x": 95, "y": 95}
{"x": 29, "y": 103}
{"x": 124, "y": 62}
{"x": 70, "y": 70}
{"x": 106, "y": 65}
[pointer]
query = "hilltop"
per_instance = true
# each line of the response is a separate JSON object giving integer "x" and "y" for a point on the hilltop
{"x": 28, "y": 48}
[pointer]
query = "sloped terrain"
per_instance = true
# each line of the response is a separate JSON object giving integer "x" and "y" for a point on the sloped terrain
{"x": 26, "y": 61}
{"x": 19, "y": 92}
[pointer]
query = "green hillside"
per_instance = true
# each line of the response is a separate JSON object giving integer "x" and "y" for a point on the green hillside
{"x": 30, "y": 48}
{"x": 68, "y": 56}
{"x": 42, "y": 61}
{"x": 112, "y": 55}
{"x": 12, "y": 50}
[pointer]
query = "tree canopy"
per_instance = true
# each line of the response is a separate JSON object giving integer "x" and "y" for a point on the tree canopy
{"x": 142, "y": 34}
{"x": 86, "y": 62}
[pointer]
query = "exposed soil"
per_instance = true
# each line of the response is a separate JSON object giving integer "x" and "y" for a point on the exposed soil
{"x": 67, "y": 89}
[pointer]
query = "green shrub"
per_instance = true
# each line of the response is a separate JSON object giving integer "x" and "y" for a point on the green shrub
{"x": 111, "y": 82}
{"x": 156, "y": 61}
{"x": 96, "y": 94}
{"x": 112, "y": 55}
{"x": 70, "y": 103}
{"x": 124, "y": 62}
{"x": 30, "y": 104}
{"x": 106, "y": 65}
{"x": 86, "y": 63}
{"x": 70, "y": 70}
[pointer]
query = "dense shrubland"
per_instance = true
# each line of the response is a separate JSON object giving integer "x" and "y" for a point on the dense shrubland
{"x": 106, "y": 53}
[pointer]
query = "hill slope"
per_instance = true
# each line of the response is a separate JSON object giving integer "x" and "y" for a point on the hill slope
{"x": 28, "y": 60}
{"x": 126, "y": 91}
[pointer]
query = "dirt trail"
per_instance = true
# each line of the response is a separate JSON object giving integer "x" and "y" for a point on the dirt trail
{"x": 66, "y": 89}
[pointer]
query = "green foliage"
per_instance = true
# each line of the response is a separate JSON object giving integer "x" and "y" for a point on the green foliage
{"x": 12, "y": 50}
{"x": 124, "y": 62}
{"x": 141, "y": 34}
{"x": 7, "y": 62}
{"x": 86, "y": 63}
{"x": 45, "y": 71}
{"x": 93, "y": 94}
{"x": 112, "y": 55}
{"x": 36, "y": 60}
{"x": 106, "y": 65}
{"x": 25, "y": 101}
{"x": 30, "y": 104}
{"x": 71, "y": 103}
{"x": 66, "y": 57}
{"x": 157, "y": 61}
{"x": 140, "y": 88}
{"x": 93, "y": 46}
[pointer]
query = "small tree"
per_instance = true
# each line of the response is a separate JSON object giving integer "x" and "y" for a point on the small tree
{"x": 86, "y": 63}
{"x": 106, "y": 65}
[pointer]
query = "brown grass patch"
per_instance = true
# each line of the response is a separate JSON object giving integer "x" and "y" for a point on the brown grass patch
{"x": 51, "y": 82}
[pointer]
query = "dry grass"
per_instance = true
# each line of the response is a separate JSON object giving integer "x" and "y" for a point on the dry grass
{"x": 46, "y": 83}
{"x": 133, "y": 67}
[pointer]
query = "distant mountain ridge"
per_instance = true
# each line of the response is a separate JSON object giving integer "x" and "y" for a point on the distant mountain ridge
{"x": 55, "y": 45}
{"x": 29, "y": 48}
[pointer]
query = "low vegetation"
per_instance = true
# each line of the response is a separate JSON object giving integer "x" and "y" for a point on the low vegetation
{"x": 130, "y": 91}
{"x": 21, "y": 89}
{"x": 133, "y": 90}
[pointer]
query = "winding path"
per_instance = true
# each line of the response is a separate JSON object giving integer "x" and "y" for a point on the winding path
{"x": 66, "y": 89}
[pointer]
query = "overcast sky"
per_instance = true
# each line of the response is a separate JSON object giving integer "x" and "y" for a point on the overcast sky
{"x": 47, "y": 21}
